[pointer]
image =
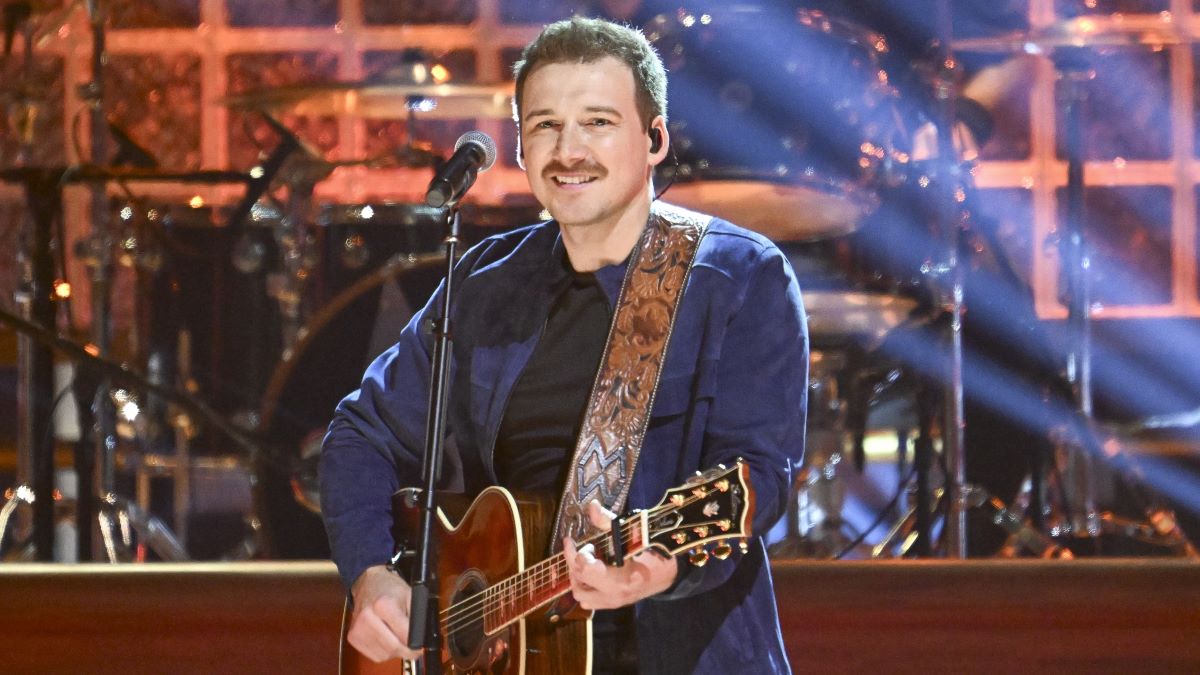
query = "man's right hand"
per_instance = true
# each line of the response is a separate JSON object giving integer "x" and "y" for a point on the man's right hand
{"x": 379, "y": 625}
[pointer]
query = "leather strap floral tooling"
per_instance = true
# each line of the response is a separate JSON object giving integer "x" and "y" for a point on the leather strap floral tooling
{"x": 618, "y": 410}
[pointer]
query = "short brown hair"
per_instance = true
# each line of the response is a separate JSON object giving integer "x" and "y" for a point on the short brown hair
{"x": 583, "y": 40}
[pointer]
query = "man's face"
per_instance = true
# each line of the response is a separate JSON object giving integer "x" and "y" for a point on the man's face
{"x": 587, "y": 154}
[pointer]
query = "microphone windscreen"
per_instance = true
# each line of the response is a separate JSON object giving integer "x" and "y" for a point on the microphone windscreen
{"x": 484, "y": 141}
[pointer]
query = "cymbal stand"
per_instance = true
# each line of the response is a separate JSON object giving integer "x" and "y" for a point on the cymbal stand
{"x": 96, "y": 468}
{"x": 35, "y": 386}
{"x": 949, "y": 217}
{"x": 34, "y": 300}
{"x": 1075, "y": 256}
{"x": 115, "y": 516}
{"x": 301, "y": 171}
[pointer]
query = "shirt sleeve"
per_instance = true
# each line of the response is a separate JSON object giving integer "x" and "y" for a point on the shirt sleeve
{"x": 759, "y": 411}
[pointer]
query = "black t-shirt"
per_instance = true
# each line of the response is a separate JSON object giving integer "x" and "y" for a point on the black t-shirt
{"x": 545, "y": 409}
{"x": 542, "y": 421}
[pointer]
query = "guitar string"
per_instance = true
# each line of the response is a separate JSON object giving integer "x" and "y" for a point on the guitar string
{"x": 550, "y": 568}
{"x": 476, "y": 607}
{"x": 464, "y": 612}
{"x": 555, "y": 565}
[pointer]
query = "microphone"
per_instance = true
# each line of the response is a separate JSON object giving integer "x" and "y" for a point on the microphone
{"x": 474, "y": 152}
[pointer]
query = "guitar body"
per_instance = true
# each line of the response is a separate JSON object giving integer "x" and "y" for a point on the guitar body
{"x": 493, "y": 538}
{"x": 496, "y": 585}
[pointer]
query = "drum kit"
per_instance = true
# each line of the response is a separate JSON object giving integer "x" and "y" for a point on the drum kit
{"x": 254, "y": 320}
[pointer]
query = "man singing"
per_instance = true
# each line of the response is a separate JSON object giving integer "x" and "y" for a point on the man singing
{"x": 531, "y": 323}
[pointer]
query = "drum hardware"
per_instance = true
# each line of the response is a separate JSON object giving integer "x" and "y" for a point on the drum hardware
{"x": 869, "y": 318}
{"x": 295, "y": 240}
{"x": 98, "y": 419}
{"x": 901, "y": 538}
{"x": 213, "y": 483}
{"x": 19, "y": 502}
{"x": 1157, "y": 525}
{"x": 118, "y": 518}
{"x": 822, "y": 129}
{"x": 846, "y": 380}
{"x": 36, "y": 302}
{"x": 1075, "y": 255}
{"x": 1070, "y": 45}
{"x": 98, "y": 500}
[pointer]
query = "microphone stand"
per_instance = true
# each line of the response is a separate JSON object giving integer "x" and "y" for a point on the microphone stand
{"x": 425, "y": 629}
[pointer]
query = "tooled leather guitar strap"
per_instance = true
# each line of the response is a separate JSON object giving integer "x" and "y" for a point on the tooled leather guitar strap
{"x": 618, "y": 410}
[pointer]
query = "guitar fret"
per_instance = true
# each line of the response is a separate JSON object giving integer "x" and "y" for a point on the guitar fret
{"x": 517, "y": 596}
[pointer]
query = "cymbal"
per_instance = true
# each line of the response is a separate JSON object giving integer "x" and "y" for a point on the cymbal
{"x": 382, "y": 100}
{"x": 1082, "y": 31}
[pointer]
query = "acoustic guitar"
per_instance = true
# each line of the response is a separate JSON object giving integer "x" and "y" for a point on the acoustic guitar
{"x": 504, "y": 611}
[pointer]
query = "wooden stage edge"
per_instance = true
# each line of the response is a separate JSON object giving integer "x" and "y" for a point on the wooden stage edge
{"x": 1082, "y": 616}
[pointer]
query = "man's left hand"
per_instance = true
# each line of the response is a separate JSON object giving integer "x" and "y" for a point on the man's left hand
{"x": 597, "y": 585}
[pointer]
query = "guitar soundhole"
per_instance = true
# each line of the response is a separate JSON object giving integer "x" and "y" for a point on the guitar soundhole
{"x": 471, "y": 649}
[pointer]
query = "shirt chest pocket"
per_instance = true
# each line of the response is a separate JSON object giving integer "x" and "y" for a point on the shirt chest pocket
{"x": 677, "y": 391}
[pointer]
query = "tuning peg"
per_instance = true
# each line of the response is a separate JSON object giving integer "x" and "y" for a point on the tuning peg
{"x": 744, "y": 545}
{"x": 722, "y": 551}
{"x": 698, "y": 557}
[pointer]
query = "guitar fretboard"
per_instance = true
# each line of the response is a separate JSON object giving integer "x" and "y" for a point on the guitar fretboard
{"x": 517, "y": 596}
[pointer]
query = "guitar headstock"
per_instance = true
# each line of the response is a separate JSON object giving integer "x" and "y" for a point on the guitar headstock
{"x": 714, "y": 507}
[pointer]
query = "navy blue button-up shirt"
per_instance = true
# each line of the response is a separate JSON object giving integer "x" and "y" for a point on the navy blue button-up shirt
{"x": 733, "y": 385}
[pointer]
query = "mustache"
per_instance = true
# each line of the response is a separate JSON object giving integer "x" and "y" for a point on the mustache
{"x": 585, "y": 167}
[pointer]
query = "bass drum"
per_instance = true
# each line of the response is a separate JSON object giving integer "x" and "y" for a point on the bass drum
{"x": 781, "y": 122}
{"x": 325, "y": 365}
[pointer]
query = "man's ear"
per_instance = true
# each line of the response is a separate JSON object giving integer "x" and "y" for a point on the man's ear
{"x": 660, "y": 140}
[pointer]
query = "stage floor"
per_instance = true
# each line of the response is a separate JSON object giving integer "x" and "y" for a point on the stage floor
{"x": 1081, "y": 616}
